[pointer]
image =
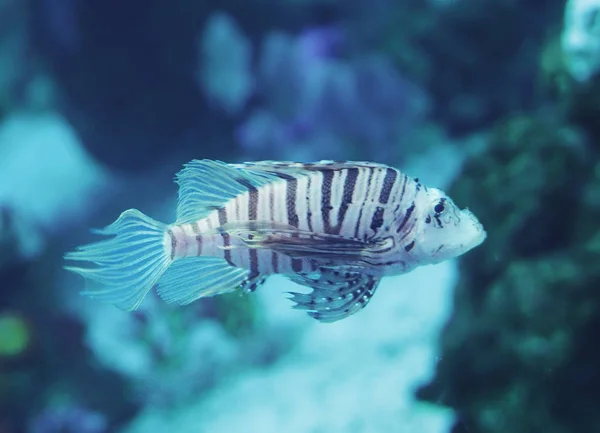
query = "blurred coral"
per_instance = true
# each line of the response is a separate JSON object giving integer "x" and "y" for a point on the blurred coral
{"x": 356, "y": 375}
{"x": 225, "y": 73}
{"x": 316, "y": 102}
{"x": 581, "y": 38}
{"x": 13, "y": 52}
{"x": 68, "y": 418}
{"x": 527, "y": 305}
{"x": 14, "y": 335}
{"x": 167, "y": 354}
{"x": 50, "y": 180}
{"x": 101, "y": 102}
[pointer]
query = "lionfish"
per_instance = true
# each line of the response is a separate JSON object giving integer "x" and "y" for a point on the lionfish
{"x": 337, "y": 227}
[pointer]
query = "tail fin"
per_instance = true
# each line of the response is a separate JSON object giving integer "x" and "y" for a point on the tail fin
{"x": 126, "y": 266}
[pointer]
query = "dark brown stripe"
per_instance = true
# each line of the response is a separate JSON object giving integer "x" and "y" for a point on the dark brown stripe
{"x": 297, "y": 265}
{"x": 403, "y": 188}
{"x": 173, "y": 243}
{"x": 349, "y": 186}
{"x": 272, "y": 203}
{"x": 407, "y": 215}
{"x": 410, "y": 246}
{"x": 199, "y": 242}
{"x": 252, "y": 199}
{"x": 358, "y": 221}
{"x": 388, "y": 183}
{"x": 284, "y": 176}
{"x": 226, "y": 240}
{"x": 253, "y": 263}
{"x": 309, "y": 213}
{"x": 407, "y": 231}
{"x": 290, "y": 201}
{"x": 326, "y": 199}
{"x": 195, "y": 227}
{"x": 274, "y": 262}
{"x": 377, "y": 220}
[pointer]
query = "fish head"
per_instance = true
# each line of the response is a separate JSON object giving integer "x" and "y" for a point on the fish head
{"x": 443, "y": 230}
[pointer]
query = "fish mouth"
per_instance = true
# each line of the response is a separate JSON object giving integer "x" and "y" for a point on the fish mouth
{"x": 478, "y": 233}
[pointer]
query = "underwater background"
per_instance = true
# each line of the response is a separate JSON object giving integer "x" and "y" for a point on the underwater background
{"x": 495, "y": 101}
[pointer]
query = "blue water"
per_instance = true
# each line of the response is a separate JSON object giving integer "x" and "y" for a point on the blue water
{"x": 101, "y": 103}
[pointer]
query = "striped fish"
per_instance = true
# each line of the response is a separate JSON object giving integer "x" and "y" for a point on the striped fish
{"x": 336, "y": 227}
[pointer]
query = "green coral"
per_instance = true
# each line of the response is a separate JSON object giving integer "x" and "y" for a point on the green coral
{"x": 14, "y": 335}
{"x": 527, "y": 305}
{"x": 237, "y": 312}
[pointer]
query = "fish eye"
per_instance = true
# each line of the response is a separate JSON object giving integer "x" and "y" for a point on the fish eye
{"x": 439, "y": 207}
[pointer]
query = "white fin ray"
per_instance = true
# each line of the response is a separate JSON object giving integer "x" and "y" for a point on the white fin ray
{"x": 330, "y": 304}
{"x": 192, "y": 278}
{"x": 126, "y": 266}
{"x": 340, "y": 278}
{"x": 205, "y": 185}
{"x": 294, "y": 242}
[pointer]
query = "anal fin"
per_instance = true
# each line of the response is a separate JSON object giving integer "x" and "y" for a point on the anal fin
{"x": 191, "y": 278}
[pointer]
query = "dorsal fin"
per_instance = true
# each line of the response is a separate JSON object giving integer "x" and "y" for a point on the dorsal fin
{"x": 300, "y": 168}
{"x": 205, "y": 185}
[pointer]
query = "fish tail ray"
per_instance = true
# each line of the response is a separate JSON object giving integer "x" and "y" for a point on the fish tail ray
{"x": 123, "y": 269}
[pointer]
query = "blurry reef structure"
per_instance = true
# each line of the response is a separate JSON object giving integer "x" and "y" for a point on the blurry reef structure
{"x": 243, "y": 79}
{"x": 143, "y": 68}
{"x": 518, "y": 353}
{"x": 477, "y": 59}
{"x": 13, "y": 40}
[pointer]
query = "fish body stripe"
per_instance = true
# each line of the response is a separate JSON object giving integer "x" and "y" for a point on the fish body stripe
{"x": 247, "y": 207}
{"x": 290, "y": 202}
{"x": 302, "y": 204}
{"x": 199, "y": 243}
{"x": 388, "y": 184}
{"x": 274, "y": 262}
{"x": 315, "y": 192}
{"x": 271, "y": 195}
{"x": 253, "y": 262}
{"x": 297, "y": 265}
{"x": 173, "y": 242}
{"x": 342, "y": 191}
{"x": 407, "y": 215}
{"x": 222, "y": 213}
{"x": 309, "y": 211}
{"x": 366, "y": 184}
{"x": 326, "y": 207}
{"x": 369, "y": 206}
{"x": 405, "y": 180}
{"x": 377, "y": 220}
{"x": 348, "y": 192}
{"x": 252, "y": 199}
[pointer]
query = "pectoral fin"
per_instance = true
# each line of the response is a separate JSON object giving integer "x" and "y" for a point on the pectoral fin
{"x": 297, "y": 243}
{"x": 332, "y": 302}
